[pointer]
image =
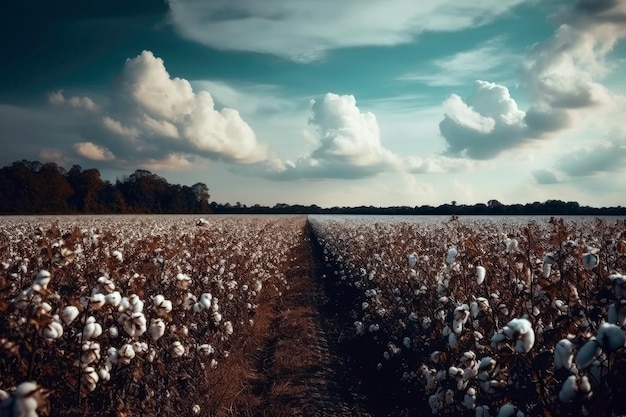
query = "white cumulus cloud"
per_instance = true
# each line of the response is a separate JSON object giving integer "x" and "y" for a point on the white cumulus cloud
{"x": 487, "y": 122}
{"x": 93, "y": 152}
{"x": 349, "y": 143}
{"x": 153, "y": 119}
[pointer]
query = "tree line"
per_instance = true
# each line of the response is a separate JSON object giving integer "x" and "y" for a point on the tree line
{"x": 30, "y": 187}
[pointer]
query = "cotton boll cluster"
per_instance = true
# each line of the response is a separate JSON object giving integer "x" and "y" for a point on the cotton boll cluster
{"x": 93, "y": 302}
{"x": 537, "y": 275}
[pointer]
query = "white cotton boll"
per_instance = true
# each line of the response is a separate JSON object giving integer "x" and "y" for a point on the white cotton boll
{"x": 228, "y": 328}
{"x": 386, "y": 355}
{"x": 157, "y": 329}
{"x": 117, "y": 255}
{"x": 114, "y": 298}
{"x": 183, "y": 281}
{"x": 217, "y": 317}
{"x": 454, "y": 371}
{"x": 451, "y": 256}
{"x": 198, "y": 307}
{"x": 90, "y": 378}
{"x": 610, "y": 337}
{"x": 406, "y": 342}
{"x": 364, "y": 305}
{"x": 106, "y": 285}
{"x": 52, "y": 331}
{"x": 96, "y": 301}
{"x": 91, "y": 329}
{"x": 469, "y": 400}
{"x": 112, "y": 355}
{"x": 480, "y": 274}
{"x": 359, "y": 327}
{"x": 568, "y": 389}
{"x": 157, "y": 300}
{"x": 412, "y": 260}
{"x": 124, "y": 305}
{"x": 104, "y": 374}
{"x": 195, "y": 409}
{"x": 205, "y": 349}
{"x": 43, "y": 278}
{"x": 113, "y": 332}
{"x": 205, "y": 300}
{"x": 587, "y": 353}
{"x": 125, "y": 354}
{"x": 69, "y": 314}
{"x": 136, "y": 303}
{"x": 563, "y": 354}
{"x": 590, "y": 260}
{"x": 374, "y": 328}
{"x": 177, "y": 349}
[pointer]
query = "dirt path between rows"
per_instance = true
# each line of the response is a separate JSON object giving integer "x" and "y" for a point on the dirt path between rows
{"x": 288, "y": 365}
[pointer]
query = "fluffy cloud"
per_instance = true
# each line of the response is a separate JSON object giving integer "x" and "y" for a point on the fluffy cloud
{"x": 487, "y": 123}
{"x": 602, "y": 156}
{"x": 93, "y": 152}
{"x": 563, "y": 71}
{"x": 544, "y": 176}
{"x": 348, "y": 145}
{"x": 560, "y": 77}
{"x": 303, "y": 30}
{"x": 76, "y": 102}
{"x": 151, "y": 119}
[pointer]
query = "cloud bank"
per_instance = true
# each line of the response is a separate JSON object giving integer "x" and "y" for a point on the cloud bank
{"x": 560, "y": 76}
{"x": 303, "y": 30}
{"x": 151, "y": 117}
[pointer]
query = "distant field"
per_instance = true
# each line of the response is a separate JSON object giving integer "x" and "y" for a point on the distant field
{"x": 146, "y": 315}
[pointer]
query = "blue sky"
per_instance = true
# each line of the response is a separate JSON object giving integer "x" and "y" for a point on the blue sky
{"x": 360, "y": 102}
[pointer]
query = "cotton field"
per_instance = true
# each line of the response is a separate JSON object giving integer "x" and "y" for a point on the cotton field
{"x": 131, "y": 315}
{"x": 484, "y": 317}
{"x": 165, "y": 315}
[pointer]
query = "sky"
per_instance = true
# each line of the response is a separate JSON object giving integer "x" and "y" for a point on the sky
{"x": 334, "y": 103}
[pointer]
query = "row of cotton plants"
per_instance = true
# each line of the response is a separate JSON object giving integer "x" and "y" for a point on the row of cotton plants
{"x": 130, "y": 315}
{"x": 489, "y": 317}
